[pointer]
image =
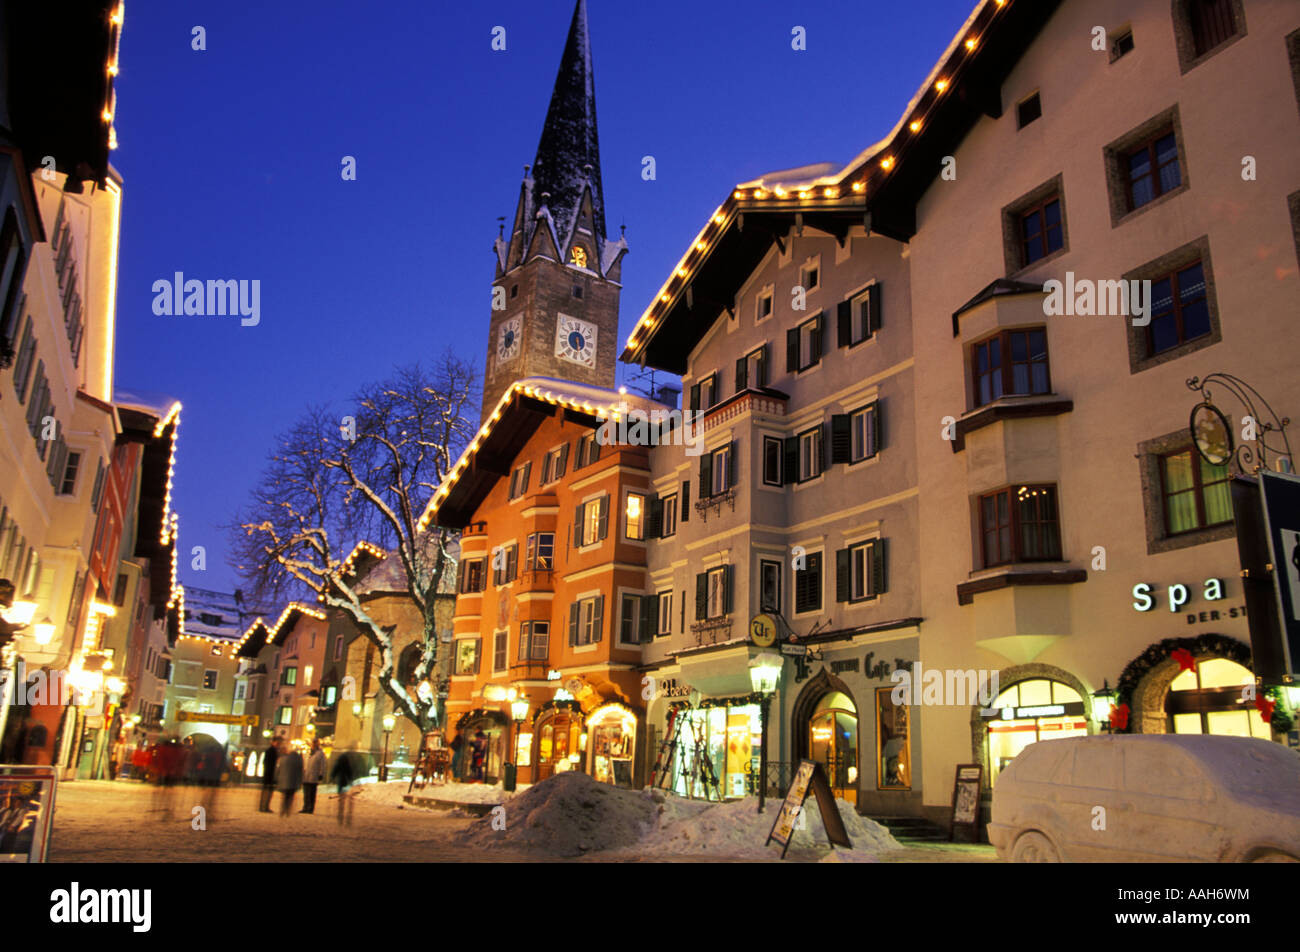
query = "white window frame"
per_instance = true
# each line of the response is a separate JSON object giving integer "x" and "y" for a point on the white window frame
{"x": 763, "y": 566}
{"x": 498, "y": 634}
{"x": 780, "y": 461}
{"x": 665, "y": 619}
{"x": 811, "y": 454}
{"x": 859, "y": 443}
{"x": 668, "y": 521}
{"x": 640, "y": 519}
{"x": 765, "y": 295}
{"x": 637, "y": 600}
{"x": 810, "y": 265}
{"x": 721, "y": 466}
{"x": 715, "y": 588}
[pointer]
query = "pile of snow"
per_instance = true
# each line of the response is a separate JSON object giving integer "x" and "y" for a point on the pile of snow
{"x": 381, "y": 794}
{"x": 565, "y": 815}
{"x": 570, "y": 814}
{"x": 736, "y": 829}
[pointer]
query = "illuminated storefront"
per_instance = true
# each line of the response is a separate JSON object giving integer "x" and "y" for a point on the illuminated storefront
{"x": 612, "y": 742}
{"x": 833, "y": 742}
{"x": 893, "y": 743}
{"x": 730, "y": 735}
{"x": 1030, "y": 711}
{"x": 1209, "y": 699}
{"x": 558, "y": 741}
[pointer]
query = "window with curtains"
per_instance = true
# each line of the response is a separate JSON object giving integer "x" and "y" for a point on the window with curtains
{"x": 534, "y": 641}
{"x": 1195, "y": 493}
{"x": 1019, "y": 524}
{"x": 1151, "y": 169}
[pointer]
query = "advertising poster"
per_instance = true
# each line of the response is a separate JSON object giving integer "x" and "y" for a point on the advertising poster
{"x": 26, "y": 813}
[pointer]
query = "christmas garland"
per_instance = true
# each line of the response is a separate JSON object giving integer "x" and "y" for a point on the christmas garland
{"x": 1155, "y": 654}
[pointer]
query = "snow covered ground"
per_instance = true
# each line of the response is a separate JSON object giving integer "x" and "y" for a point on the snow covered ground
{"x": 569, "y": 818}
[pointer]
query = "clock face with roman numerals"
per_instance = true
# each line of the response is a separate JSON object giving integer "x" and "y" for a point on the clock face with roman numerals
{"x": 508, "y": 340}
{"x": 575, "y": 340}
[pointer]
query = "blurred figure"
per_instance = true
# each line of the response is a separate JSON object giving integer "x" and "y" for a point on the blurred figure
{"x": 288, "y": 778}
{"x": 190, "y": 768}
{"x": 313, "y": 776}
{"x": 343, "y": 774}
{"x": 168, "y": 769}
{"x": 115, "y": 758}
{"x": 457, "y": 757}
{"x": 211, "y": 765}
{"x": 269, "y": 760}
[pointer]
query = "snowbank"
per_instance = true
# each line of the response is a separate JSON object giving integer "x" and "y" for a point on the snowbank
{"x": 736, "y": 829}
{"x": 565, "y": 815}
{"x": 570, "y": 814}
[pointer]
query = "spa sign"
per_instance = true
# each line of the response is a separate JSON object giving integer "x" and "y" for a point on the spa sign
{"x": 1177, "y": 595}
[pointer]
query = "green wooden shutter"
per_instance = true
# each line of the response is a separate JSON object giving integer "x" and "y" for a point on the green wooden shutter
{"x": 706, "y": 475}
{"x": 762, "y": 368}
{"x": 843, "y": 591}
{"x": 649, "y": 617}
{"x": 603, "y": 529}
{"x": 818, "y": 336}
{"x": 573, "y": 622}
{"x": 790, "y": 462}
{"x": 701, "y": 596}
{"x": 655, "y": 518}
{"x": 560, "y": 463}
{"x": 695, "y": 398}
{"x": 874, "y": 305}
{"x": 528, "y": 471}
{"x": 792, "y": 350}
{"x": 877, "y": 427}
{"x": 742, "y": 374}
{"x": 879, "y": 575}
{"x": 728, "y": 588}
{"x": 841, "y": 438}
{"x": 844, "y": 322}
{"x": 577, "y": 524}
{"x": 731, "y": 465}
{"x": 684, "y": 513}
{"x": 598, "y": 619}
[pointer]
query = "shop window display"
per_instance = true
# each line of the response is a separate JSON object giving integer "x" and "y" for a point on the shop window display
{"x": 1207, "y": 700}
{"x": 833, "y": 742}
{"x": 1030, "y": 711}
{"x": 612, "y": 733}
{"x": 731, "y": 737}
{"x": 893, "y": 743}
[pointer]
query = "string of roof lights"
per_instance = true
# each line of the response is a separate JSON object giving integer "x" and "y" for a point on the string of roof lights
{"x": 273, "y": 630}
{"x": 720, "y": 220}
{"x": 601, "y": 412}
{"x": 110, "y": 104}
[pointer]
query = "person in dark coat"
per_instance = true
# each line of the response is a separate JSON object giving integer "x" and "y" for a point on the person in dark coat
{"x": 457, "y": 757}
{"x": 479, "y": 745}
{"x": 313, "y": 776}
{"x": 268, "y": 774}
{"x": 343, "y": 773}
{"x": 288, "y": 779}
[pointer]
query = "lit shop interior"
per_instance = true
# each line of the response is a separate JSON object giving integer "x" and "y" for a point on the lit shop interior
{"x": 731, "y": 735}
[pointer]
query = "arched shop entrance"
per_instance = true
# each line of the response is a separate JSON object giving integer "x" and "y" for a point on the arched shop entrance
{"x": 558, "y": 741}
{"x": 612, "y": 742}
{"x": 826, "y": 730}
{"x": 1029, "y": 710}
{"x": 1192, "y": 686}
{"x": 493, "y": 725}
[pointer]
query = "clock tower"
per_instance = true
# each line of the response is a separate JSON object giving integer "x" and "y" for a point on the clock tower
{"x": 555, "y": 294}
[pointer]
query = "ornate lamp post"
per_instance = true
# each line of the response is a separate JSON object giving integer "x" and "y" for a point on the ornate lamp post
{"x": 764, "y": 673}
{"x": 518, "y": 712}
{"x": 389, "y": 723}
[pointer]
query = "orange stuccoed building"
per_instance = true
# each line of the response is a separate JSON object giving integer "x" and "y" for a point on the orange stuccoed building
{"x": 553, "y": 603}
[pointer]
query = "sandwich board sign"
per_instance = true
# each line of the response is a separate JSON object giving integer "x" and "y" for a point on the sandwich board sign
{"x": 809, "y": 776}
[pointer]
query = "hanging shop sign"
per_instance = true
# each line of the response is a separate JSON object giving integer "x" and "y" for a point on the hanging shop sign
{"x": 198, "y": 717}
{"x": 762, "y": 630}
{"x": 809, "y": 776}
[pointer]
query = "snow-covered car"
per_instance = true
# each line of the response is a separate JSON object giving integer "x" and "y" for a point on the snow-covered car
{"x": 1149, "y": 798}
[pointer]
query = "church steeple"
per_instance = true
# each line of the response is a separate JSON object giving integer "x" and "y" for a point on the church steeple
{"x": 568, "y": 153}
{"x": 556, "y": 289}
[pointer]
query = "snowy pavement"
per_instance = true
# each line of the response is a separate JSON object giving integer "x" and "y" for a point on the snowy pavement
{"x": 103, "y": 822}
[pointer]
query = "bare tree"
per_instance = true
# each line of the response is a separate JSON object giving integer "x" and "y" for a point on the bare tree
{"x": 365, "y": 475}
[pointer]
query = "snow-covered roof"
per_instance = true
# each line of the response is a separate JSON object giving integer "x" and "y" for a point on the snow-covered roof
{"x": 599, "y": 402}
{"x": 389, "y": 575}
{"x": 158, "y": 405}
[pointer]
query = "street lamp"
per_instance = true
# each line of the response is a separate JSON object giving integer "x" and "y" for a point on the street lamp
{"x": 389, "y": 723}
{"x": 43, "y": 631}
{"x": 518, "y": 712}
{"x": 764, "y": 674}
{"x": 1102, "y": 703}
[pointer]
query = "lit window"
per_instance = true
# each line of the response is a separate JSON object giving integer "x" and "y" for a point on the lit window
{"x": 635, "y": 516}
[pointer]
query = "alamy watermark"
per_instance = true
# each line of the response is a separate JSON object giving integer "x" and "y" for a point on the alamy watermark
{"x": 637, "y": 427}
{"x": 944, "y": 686}
{"x": 211, "y": 299}
{"x": 1083, "y": 297}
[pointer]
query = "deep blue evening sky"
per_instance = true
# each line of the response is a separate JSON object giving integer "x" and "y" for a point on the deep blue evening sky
{"x": 231, "y": 160}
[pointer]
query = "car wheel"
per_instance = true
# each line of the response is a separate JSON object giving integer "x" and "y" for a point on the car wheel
{"x": 1274, "y": 856}
{"x": 1034, "y": 847}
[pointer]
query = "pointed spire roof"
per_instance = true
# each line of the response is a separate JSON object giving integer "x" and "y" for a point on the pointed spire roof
{"x": 569, "y": 143}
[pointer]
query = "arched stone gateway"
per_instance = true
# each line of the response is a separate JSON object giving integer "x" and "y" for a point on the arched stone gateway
{"x": 824, "y": 727}
{"x": 1145, "y": 682}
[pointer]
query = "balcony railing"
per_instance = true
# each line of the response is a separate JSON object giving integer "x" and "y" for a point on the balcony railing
{"x": 712, "y": 630}
{"x": 715, "y": 503}
{"x": 531, "y": 670}
{"x": 538, "y": 579}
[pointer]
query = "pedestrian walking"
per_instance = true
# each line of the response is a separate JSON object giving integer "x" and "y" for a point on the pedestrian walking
{"x": 479, "y": 745}
{"x": 342, "y": 775}
{"x": 269, "y": 759}
{"x": 313, "y": 776}
{"x": 457, "y": 757}
{"x": 288, "y": 778}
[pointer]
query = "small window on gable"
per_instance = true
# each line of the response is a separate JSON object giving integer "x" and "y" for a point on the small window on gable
{"x": 810, "y": 275}
{"x": 1028, "y": 110}
{"x": 763, "y": 306}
